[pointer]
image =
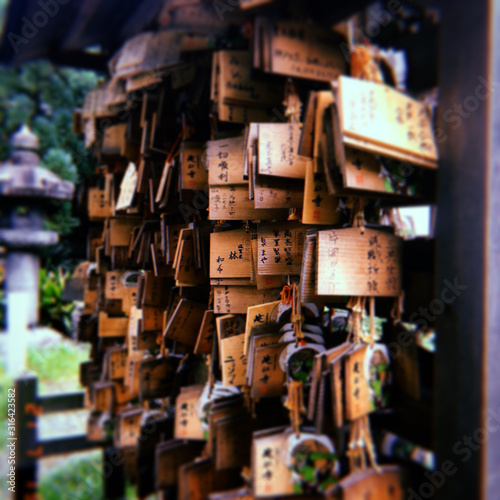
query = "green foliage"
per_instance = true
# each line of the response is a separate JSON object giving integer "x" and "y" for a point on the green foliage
{"x": 55, "y": 312}
{"x": 60, "y": 162}
{"x": 44, "y": 97}
{"x": 6, "y": 382}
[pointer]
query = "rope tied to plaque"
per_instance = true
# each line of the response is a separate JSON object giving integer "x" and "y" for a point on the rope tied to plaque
{"x": 292, "y": 102}
{"x": 290, "y": 296}
{"x": 398, "y": 308}
{"x": 360, "y": 449}
{"x": 357, "y": 307}
{"x": 357, "y": 333}
{"x": 358, "y": 212}
{"x": 295, "y": 404}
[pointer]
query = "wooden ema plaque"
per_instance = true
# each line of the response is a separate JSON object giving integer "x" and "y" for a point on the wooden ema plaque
{"x": 237, "y": 86}
{"x": 280, "y": 192}
{"x": 100, "y": 204}
{"x": 172, "y": 454}
{"x": 277, "y": 150}
{"x": 232, "y": 202}
{"x": 263, "y": 281}
{"x": 237, "y": 299}
{"x": 192, "y": 173}
{"x": 230, "y": 254}
{"x": 353, "y": 262}
{"x": 128, "y": 427}
{"x": 128, "y": 188}
{"x": 304, "y": 51}
{"x": 187, "y": 421}
{"x": 263, "y": 314}
{"x": 117, "y": 362}
{"x": 234, "y": 362}
{"x": 319, "y": 207}
{"x": 387, "y": 483}
{"x": 225, "y": 161}
{"x": 185, "y": 322}
{"x": 112, "y": 327}
{"x": 206, "y": 335}
{"x": 279, "y": 249}
{"x": 268, "y": 379}
{"x": 271, "y": 476}
{"x": 382, "y": 116}
{"x": 156, "y": 377}
{"x": 357, "y": 390}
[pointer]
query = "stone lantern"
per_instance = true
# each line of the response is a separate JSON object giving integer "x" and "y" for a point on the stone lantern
{"x": 25, "y": 187}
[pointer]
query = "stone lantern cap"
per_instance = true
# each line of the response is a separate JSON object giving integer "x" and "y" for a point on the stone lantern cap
{"x": 22, "y": 176}
{"x": 24, "y": 185}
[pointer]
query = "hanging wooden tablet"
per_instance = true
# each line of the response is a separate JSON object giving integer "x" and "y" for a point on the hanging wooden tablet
{"x": 280, "y": 248}
{"x": 306, "y": 141}
{"x": 100, "y": 204}
{"x": 236, "y": 86}
{"x": 237, "y": 299}
{"x": 102, "y": 396}
{"x": 267, "y": 376}
{"x": 112, "y": 327}
{"x": 319, "y": 206}
{"x": 358, "y": 263}
{"x": 156, "y": 377}
{"x": 185, "y": 322}
{"x": 128, "y": 188}
{"x": 263, "y": 281}
{"x": 152, "y": 319}
{"x": 357, "y": 391}
{"x": 229, "y": 325}
{"x": 117, "y": 358}
{"x": 122, "y": 395}
{"x": 192, "y": 173}
{"x": 128, "y": 427}
{"x": 304, "y": 51}
{"x": 233, "y": 361}
{"x": 187, "y": 420}
{"x": 230, "y": 254}
{"x": 96, "y": 426}
{"x": 269, "y": 192}
{"x": 376, "y": 114}
{"x": 233, "y": 203}
{"x": 187, "y": 273}
{"x": 259, "y": 337}
{"x": 170, "y": 456}
{"x": 206, "y": 335}
{"x": 258, "y": 315}
{"x": 386, "y": 483}
{"x": 271, "y": 476}
{"x": 225, "y": 161}
{"x": 277, "y": 150}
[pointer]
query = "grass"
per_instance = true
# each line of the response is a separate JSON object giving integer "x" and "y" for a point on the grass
{"x": 57, "y": 366}
{"x": 79, "y": 477}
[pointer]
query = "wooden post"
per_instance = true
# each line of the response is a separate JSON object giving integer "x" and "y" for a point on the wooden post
{"x": 27, "y": 449}
{"x": 468, "y": 257}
